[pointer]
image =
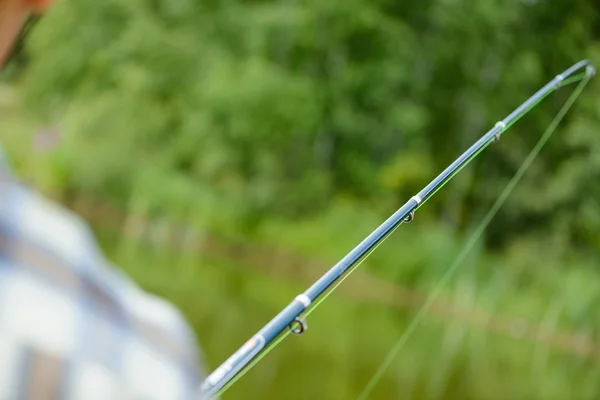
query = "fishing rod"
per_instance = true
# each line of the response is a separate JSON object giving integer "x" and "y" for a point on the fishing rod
{"x": 291, "y": 316}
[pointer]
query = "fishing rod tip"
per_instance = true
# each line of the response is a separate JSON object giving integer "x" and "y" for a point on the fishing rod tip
{"x": 590, "y": 70}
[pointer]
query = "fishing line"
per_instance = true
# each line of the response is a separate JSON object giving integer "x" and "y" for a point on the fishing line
{"x": 460, "y": 258}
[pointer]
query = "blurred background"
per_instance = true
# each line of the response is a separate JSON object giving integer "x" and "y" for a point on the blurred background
{"x": 228, "y": 152}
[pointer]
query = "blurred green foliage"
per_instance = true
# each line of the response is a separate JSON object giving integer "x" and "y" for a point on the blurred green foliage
{"x": 302, "y": 124}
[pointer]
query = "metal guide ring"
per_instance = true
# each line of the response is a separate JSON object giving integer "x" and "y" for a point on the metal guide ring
{"x": 502, "y": 126}
{"x": 560, "y": 80}
{"x": 300, "y": 327}
{"x": 409, "y": 217}
{"x": 590, "y": 71}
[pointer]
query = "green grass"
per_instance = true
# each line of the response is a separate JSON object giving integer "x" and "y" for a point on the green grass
{"x": 346, "y": 339}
